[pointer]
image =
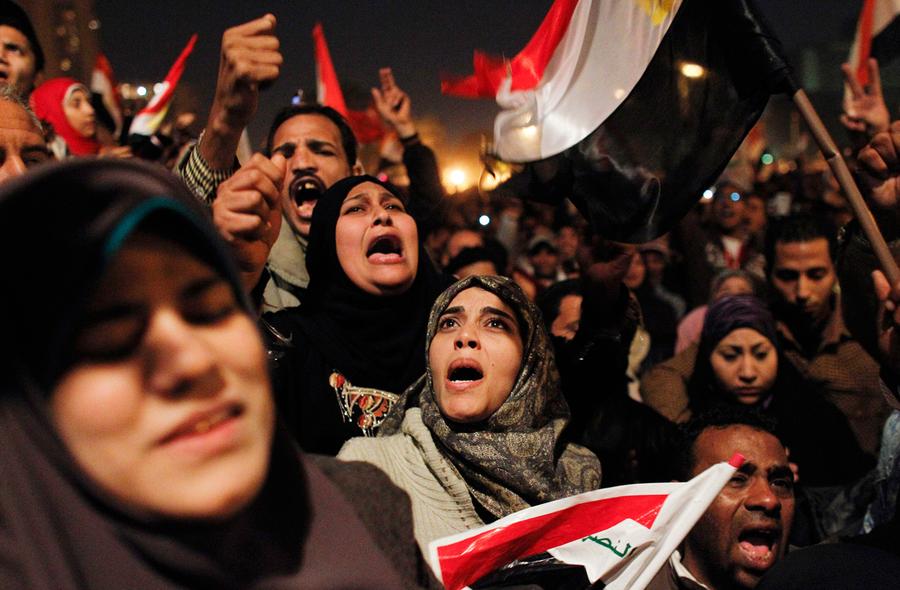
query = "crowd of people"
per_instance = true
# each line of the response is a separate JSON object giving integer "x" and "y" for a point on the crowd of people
{"x": 286, "y": 373}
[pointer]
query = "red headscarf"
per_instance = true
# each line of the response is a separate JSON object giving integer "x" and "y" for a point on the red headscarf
{"x": 47, "y": 102}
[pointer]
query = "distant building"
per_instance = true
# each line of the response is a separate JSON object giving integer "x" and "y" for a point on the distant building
{"x": 68, "y": 31}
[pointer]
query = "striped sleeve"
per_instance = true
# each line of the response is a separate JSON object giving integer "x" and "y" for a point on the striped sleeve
{"x": 200, "y": 178}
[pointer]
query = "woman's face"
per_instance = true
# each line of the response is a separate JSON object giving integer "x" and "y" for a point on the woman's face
{"x": 377, "y": 240}
{"x": 80, "y": 113}
{"x": 745, "y": 365}
{"x": 167, "y": 406}
{"x": 475, "y": 356}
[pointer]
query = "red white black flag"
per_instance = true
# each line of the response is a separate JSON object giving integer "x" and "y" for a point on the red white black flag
{"x": 641, "y": 103}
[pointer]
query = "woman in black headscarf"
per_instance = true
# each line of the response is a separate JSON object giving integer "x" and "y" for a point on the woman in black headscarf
{"x": 739, "y": 361}
{"x": 478, "y": 437}
{"x": 138, "y": 445}
{"x": 345, "y": 355}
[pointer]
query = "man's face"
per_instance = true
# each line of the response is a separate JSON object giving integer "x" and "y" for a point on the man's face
{"x": 728, "y": 208}
{"x": 744, "y": 532}
{"x": 315, "y": 160}
{"x": 17, "y": 61}
{"x": 545, "y": 262}
{"x": 21, "y": 143}
{"x": 755, "y": 216}
{"x": 803, "y": 276}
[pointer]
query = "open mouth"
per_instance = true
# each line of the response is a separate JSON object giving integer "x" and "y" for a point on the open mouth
{"x": 387, "y": 248}
{"x": 464, "y": 371}
{"x": 305, "y": 188}
{"x": 758, "y": 544}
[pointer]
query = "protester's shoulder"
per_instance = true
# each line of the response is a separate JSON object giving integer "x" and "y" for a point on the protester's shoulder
{"x": 386, "y": 511}
{"x": 379, "y": 450}
{"x": 358, "y": 477}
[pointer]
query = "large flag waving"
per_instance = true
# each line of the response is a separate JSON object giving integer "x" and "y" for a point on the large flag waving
{"x": 877, "y": 35}
{"x": 148, "y": 120}
{"x": 103, "y": 84}
{"x": 366, "y": 124}
{"x": 643, "y": 101}
{"x": 620, "y": 535}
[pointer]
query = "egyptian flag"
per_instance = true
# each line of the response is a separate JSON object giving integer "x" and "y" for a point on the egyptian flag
{"x": 639, "y": 103}
{"x": 366, "y": 124}
{"x": 877, "y": 35}
{"x": 620, "y": 535}
{"x": 148, "y": 120}
{"x": 105, "y": 95}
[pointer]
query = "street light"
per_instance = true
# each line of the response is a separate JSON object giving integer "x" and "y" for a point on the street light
{"x": 692, "y": 70}
{"x": 455, "y": 177}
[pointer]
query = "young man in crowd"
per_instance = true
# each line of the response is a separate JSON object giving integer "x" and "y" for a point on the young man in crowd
{"x": 21, "y": 56}
{"x": 745, "y": 531}
{"x": 801, "y": 251}
{"x": 309, "y": 147}
{"x": 803, "y": 284}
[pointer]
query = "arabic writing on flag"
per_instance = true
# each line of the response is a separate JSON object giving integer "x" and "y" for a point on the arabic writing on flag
{"x": 639, "y": 104}
{"x": 620, "y": 535}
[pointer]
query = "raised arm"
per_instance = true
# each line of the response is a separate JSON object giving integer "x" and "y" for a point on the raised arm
{"x": 250, "y": 60}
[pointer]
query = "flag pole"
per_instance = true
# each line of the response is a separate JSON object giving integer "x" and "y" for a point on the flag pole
{"x": 848, "y": 185}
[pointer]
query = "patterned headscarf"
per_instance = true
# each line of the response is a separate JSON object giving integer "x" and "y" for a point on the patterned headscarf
{"x": 516, "y": 459}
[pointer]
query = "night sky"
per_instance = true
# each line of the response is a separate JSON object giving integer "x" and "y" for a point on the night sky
{"x": 418, "y": 39}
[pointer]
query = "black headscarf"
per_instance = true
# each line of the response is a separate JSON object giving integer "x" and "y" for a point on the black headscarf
{"x": 59, "y": 228}
{"x": 374, "y": 341}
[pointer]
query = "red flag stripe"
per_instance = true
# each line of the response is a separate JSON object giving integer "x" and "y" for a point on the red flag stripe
{"x": 328, "y": 79}
{"x": 526, "y": 68}
{"x": 865, "y": 41}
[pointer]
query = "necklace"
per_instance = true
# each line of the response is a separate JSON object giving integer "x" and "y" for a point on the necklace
{"x": 366, "y": 407}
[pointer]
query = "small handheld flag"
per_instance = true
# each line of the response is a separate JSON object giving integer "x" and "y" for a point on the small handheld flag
{"x": 148, "y": 120}
{"x": 620, "y": 535}
{"x": 103, "y": 84}
{"x": 877, "y": 35}
{"x": 366, "y": 124}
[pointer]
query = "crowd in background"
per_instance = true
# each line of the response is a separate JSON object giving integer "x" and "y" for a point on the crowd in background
{"x": 752, "y": 325}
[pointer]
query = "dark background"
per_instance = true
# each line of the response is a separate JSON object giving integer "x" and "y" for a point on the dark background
{"x": 418, "y": 39}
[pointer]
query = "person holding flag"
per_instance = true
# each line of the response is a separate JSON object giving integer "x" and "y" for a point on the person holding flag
{"x": 745, "y": 530}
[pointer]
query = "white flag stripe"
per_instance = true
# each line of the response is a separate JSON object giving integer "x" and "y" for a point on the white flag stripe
{"x": 598, "y": 62}
{"x": 678, "y": 516}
